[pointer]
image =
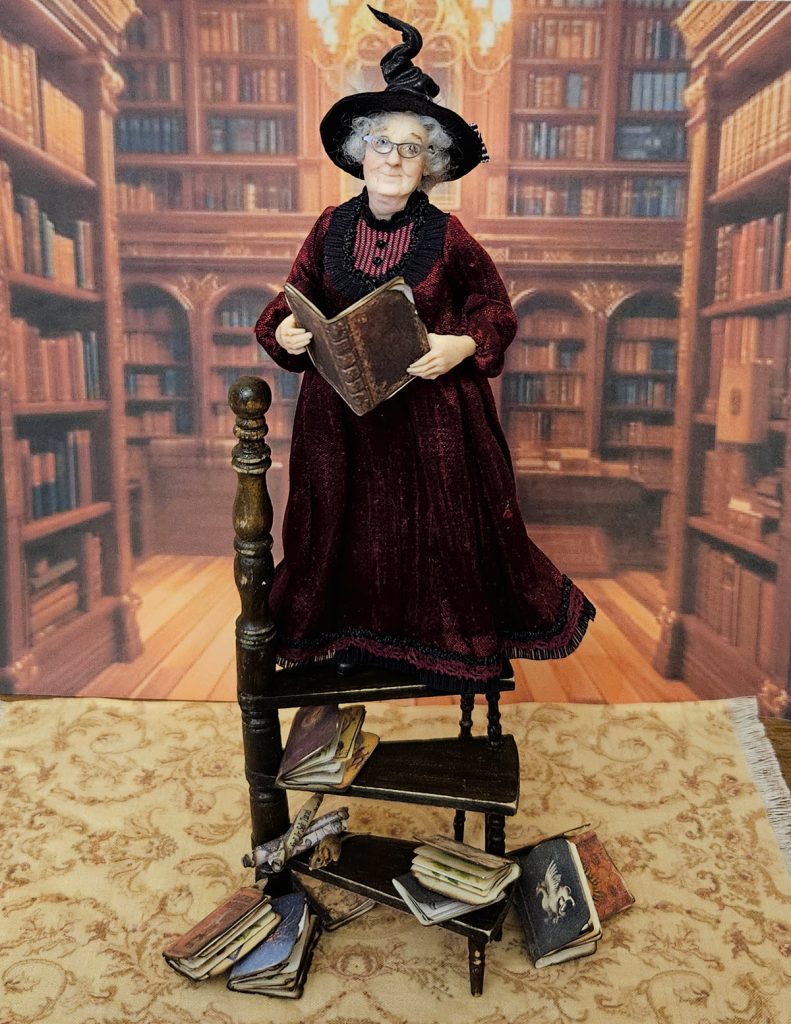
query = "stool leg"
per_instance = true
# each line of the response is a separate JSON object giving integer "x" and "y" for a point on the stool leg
{"x": 477, "y": 953}
{"x": 458, "y": 826}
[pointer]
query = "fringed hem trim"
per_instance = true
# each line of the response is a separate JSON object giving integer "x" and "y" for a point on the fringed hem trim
{"x": 764, "y": 769}
{"x": 443, "y": 670}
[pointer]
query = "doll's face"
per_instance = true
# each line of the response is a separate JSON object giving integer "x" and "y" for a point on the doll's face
{"x": 390, "y": 175}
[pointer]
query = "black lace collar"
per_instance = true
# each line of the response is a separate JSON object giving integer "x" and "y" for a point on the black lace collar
{"x": 425, "y": 246}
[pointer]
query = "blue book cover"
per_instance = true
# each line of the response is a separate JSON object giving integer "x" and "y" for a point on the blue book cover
{"x": 551, "y": 899}
{"x": 276, "y": 948}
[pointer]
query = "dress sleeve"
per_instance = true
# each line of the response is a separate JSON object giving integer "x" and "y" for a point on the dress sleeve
{"x": 486, "y": 312}
{"x": 305, "y": 275}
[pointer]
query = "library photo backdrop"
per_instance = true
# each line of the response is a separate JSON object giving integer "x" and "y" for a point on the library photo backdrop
{"x": 160, "y": 165}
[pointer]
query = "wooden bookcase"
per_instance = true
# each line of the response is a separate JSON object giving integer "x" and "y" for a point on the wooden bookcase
{"x": 63, "y": 499}
{"x": 730, "y": 572}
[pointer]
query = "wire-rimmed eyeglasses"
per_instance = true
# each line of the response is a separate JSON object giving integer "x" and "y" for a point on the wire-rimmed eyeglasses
{"x": 406, "y": 150}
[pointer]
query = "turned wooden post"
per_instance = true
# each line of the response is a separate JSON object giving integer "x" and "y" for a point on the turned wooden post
{"x": 250, "y": 399}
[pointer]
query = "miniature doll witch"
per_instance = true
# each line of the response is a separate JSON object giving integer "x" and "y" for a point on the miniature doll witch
{"x": 404, "y": 546}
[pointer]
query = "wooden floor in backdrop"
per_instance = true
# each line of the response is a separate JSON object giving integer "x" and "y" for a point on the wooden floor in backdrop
{"x": 189, "y": 605}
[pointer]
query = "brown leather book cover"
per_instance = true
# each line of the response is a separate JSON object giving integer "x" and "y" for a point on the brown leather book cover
{"x": 609, "y": 891}
{"x": 243, "y": 902}
{"x": 364, "y": 351}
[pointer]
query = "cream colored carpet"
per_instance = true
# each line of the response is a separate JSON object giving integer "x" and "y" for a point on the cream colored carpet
{"x": 124, "y": 822}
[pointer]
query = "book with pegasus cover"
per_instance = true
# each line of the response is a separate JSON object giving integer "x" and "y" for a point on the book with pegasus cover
{"x": 223, "y": 936}
{"x": 555, "y": 904}
{"x": 364, "y": 351}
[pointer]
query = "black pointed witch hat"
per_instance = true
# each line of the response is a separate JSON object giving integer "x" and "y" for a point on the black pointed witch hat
{"x": 407, "y": 89}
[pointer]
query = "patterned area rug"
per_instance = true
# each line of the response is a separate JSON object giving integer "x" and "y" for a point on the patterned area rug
{"x": 125, "y": 822}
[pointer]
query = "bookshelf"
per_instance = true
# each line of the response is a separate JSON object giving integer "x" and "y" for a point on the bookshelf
{"x": 729, "y": 581}
{"x": 63, "y": 503}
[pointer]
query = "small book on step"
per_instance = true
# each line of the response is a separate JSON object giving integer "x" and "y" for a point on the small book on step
{"x": 364, "y": 351}
{"x": 462, "y": 872}
{"x": 326, "y": 748}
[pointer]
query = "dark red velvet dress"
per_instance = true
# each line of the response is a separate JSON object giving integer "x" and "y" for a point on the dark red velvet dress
{"x": 403, "y": 541}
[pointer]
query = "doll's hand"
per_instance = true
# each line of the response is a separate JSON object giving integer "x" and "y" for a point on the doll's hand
{"x": 447, "y": 351}
{"x": 290, "y": 336}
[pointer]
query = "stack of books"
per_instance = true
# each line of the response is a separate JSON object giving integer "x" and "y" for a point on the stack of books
{"x": 278, "y": 965}
{"x": 567, "y": 886}
{"x": 326, "y": 748}
{"x": 448, "y": 879}
{"x": 224, "y": 936}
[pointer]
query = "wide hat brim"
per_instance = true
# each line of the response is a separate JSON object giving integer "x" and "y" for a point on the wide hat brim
{"x": 467, "y": 150}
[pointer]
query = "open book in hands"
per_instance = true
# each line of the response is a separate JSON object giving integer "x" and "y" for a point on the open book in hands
{"x": 364, "y": 351}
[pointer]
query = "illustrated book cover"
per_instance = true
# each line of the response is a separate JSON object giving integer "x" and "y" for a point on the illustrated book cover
{"x": 608, "y": 888}
{"x": 364, "y": 351}
{"x": 326, "y": 748}
{"x": 278, "y": 965}
{"x": 224, "y": 935}
{"x": 555, "y": 904}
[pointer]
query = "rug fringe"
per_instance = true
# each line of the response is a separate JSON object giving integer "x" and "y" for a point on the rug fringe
{"x": 764, "y": 769}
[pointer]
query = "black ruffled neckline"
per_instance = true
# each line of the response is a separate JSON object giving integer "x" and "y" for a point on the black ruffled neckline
{"x": 425, "y": 246}
{"x": 414, "y": 206}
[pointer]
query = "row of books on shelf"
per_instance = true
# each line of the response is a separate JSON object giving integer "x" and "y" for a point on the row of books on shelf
{"x": 643, "y": 356}
{"x": 150, "y": 133}
{"x": 545, "y": 140}
{"x": 57, "y": 473}
{"x": 750, "y": 258}
{"x": 648, "y": 327}
{"x": 569, "y": 4}
{"x": 235, "y": 354}
{"x": 284, "y": 385}
{"x": 149, "y": 191}
{"x": 151, "y": 80}
{"x": 241, "y": 310}
{"x": 61, "y": 368}
{"x": 528, "y": 427}
{"x": 745, "y": 339}
{"x": 668, "y": 5}
{"x": 657, "y": 90}
{"x": 730, "y": 497}
{"x": 654, "y": 141}
{"x": 61, "y": 250}
{"x": 246, "y": 30}
{"x": 571, "y": 89}
{"x": 643, "y": 392}
{"x": 653, "y": 38}
{"x": 159, "y": 422}
{"x": 166, "y": 382}
{"x": 620, "y": 431}
{"x": 527, "y": 389}
{"x": 61, "y": 581}
{"x": 157, "y": 347}
{"x": 529, "y": 354}
{"x": 160, "y": 29}
{"x": 757, "y": 132}
{"x": 271, "y": 135}
{"x": 144, "y": 317}
{"x": 246, "y": 83}
{"x": 36, "y": 110}
{"x": 247, "y": 193}
{"x": 654, "y": 469}
{"x": 550, "y": 324}
{"x": 564, "y": 38}
{"x": 736, "y": 601}
{"x": 576, "y": 197}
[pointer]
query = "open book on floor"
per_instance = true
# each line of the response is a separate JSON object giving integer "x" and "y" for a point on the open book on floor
{"x": 334, "y": 906}
{"x": 555, "y": 903}
{"x": 326, "y": 748}
{"x": 364, "y": 351}
{"x": 223, "y": 936}
{"x": 278, "y": 965}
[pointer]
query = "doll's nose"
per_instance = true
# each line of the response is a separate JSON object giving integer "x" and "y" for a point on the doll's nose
{"x": 393, "y": 157}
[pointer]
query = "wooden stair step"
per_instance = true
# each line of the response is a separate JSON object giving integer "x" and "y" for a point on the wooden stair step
{"x": 367, "y": 866}
{"x": 321, "y": 684}
{"x": 467, "y": 774}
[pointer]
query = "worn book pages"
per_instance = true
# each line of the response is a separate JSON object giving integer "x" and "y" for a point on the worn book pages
{"x": 335, "y": 906}
{"x": 364, "y": 351}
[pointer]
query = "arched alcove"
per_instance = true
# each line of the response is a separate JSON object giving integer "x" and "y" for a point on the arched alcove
{"x": 158, "y": 364}
{"x": 546, "y": 377}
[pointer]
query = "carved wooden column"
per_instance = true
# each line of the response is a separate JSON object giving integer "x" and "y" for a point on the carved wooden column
{"x": 699, "y": 98}
{"x": 250, "y": 398}
{"x": 106, "y": 84}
